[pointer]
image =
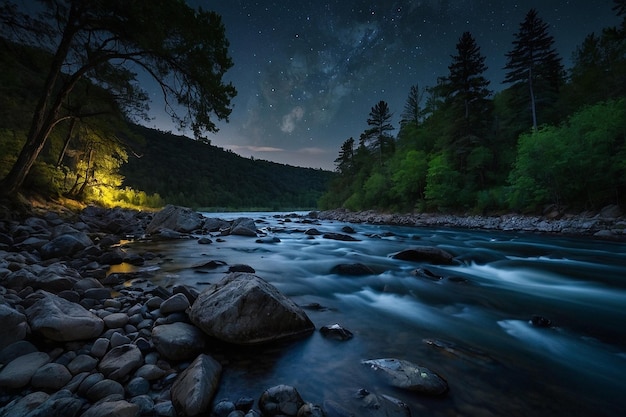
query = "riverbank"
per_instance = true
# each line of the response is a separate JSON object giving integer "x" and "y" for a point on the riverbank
{"x": 608, "y": 224}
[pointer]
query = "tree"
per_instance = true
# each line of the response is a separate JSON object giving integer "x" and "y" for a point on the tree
{"x": 534, "y": 61}
{"x": 465, "y": 90}
{"x": 108, "y": 42}
{"x": 345, "y": 161}
{"x": 412, "y": 113}
{"x": 377, "y": 136}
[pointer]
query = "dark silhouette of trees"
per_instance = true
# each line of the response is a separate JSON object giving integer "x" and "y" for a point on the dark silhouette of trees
{"x": 108, "y": 43}
{"x": 534, "y": 61}
{"x": 377, "y": 138}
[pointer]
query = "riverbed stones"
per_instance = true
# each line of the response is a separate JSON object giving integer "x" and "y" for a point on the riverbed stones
{"x": 194, "y": 388}
{"x": 244, "y": 309}
{"x": 178, "y": 341}
{"x": 244, "y": 226}
{"x": 60, "y": 320}
{"x": 120, "y": 408}
{"x": 177, "y": 302}
{"x": 51, "y": 376}
{"x": 336, "y": 331}
{"x": 65, "y": 245}
{"x": 429, "y": 254}
{"x": 409, "y": 376}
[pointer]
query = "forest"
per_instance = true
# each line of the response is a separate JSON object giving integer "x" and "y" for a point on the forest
{"x": 553, "y": 139}
{"x": 72, "y": 108}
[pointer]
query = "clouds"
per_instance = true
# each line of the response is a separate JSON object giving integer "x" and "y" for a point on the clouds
{"x": 288, "y": 125}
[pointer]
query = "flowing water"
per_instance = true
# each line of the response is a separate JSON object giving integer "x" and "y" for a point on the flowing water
{"x": 472, "y": 326}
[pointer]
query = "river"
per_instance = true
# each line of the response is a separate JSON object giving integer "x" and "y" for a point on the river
{"x": 471, "y": 325}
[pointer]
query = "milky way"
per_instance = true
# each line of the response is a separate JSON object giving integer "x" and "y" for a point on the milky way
{"x": 308, "y": 72}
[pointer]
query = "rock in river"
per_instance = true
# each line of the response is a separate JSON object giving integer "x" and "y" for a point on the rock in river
{"x": 245, "y": 309}
{"x": 430, "y": 254}
{"x": 406, "y": 375}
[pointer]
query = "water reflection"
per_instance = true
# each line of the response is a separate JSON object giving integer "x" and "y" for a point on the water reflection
{"x": 469, "y": 322}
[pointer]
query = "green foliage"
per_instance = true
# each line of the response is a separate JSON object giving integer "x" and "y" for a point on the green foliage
{"x": 577, "y": 164}
{"x": 443, "y": 187}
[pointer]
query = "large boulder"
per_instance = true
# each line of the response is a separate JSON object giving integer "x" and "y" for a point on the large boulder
{"x": 429, "y": 254}
{"x": 179, "y": 219}
{"x": 193, "y": 390}
{"x": 243, "y": 226}
{"x": 65, "y": 245}
{"x": 245, "y": 309}
{"x": 61, "y": 320}
{"x": 409, "y": 376}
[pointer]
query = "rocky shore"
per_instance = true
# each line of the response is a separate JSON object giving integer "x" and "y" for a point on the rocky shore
{"x": 609, "y": 223}
{"x": 77, "y": 340}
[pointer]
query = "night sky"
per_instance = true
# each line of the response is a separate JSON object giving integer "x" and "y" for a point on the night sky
{"x": 308, "y": 72}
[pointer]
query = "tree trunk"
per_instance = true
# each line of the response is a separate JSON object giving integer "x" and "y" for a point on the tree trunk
{"x": 67, "y": 141}
{"x": 45, "y": 114}
{"x": 533, "y": 108}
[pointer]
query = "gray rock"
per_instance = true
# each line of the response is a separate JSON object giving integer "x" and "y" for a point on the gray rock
{"x": 177, "y": 302}
{"x": 15, "y": 350}
{"x": 60, "y": 404}
{"x": 137, "y": 386}
{"x": 82, "y": 363}
{"x": 100, "y": 347}
{"x": 62, "y": 321}
{"x": 366, "y": 404}
{"x": 13, "y": 326}
{"x": 409, "y": 376}
{"x": 223, "y": 408}
{"x": 335, "y": 331}
{"x": 121, "y": 361}
{"x": 18, "y": 372}
{"x": 116, "y": 320}
{"x": 178, "y": 341}
{"x": 244, "y": 309}
{"x": 103, "y": 389}
{"x": 99, "y": 294}
{"x": 193, "y": 390}
{"x": 51, "y": 376}
{"x": 118, "y": 339}
{"x": 165, "y": 409}
{"x": 429, "y": 254}
{"x": 121, "y": 408}
{"x": 89, "y": 382}
{"x": 150, "y": 372}
{"x": 145, "y": 404}
{"x": 340, "y": 236}
{"x": 243, "y": 226}
{"x": 311, "y": 410}
{"x": 281, "y": 400}
{"x": 179, "y": 219}
{"x": 21, "y": 406}
{"x": 65, "y": 245}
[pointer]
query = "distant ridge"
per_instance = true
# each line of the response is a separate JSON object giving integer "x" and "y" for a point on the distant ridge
{"x": 195, "y": 174}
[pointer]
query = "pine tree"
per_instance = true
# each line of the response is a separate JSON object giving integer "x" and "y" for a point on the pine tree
{"x": 412, "y": 112}
{"x": 377, "y": 136}
{"x": 466, "y": 87}
{"x": 534, "y": 61}
{"x": 345, "y": 161}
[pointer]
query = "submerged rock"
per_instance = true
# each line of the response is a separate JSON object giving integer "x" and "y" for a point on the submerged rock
{"x": 409, "y": 376}
{"x": 245, "y": 309}
{"x": 335, "y": 331}
{"x": 430, "y": 254}
{"x": 353, "y": 269}
{"x": 340, "y": 236}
